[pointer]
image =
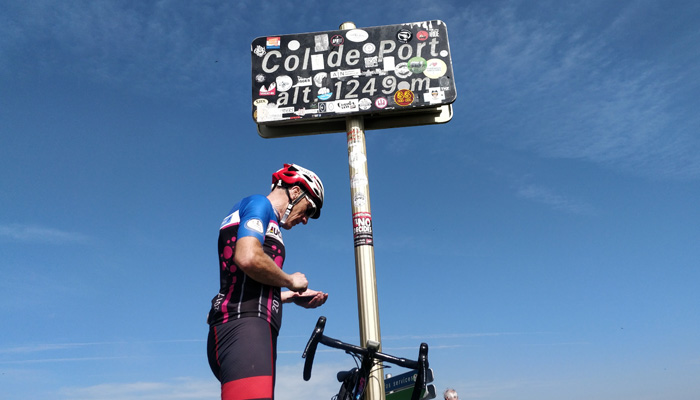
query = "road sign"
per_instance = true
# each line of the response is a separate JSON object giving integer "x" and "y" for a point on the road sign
{"x": 392, "y": 76}
{"x": 405, "y": 380}
{"x": 405, "y": 394}
{"x": 400, "y": 387}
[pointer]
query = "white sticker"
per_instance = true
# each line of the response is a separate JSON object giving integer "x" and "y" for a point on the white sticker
{"x": 261, "y": 114}
{"x": 355, "y": 145}
{"x": 434, "y": 95}
{"x": 317, "y": 62}
{"x": 259, "y": 51}
{"x": 325, "y": 107}
{"x": 369, "y": 48}
{"x": 293, "y": 45}
{"x": 303, "y": 81}
{"x": 365, "y": 104}
{"x": 388, "y": 63}
{"x": 359, "y": 199}
{"x": 321, "y": 43}
{"x": 271, "y": 112}
{"x": 255, "y": 225}
{"x": 349, "y": 105}
{"x": 402, "y": 70}
{"x": 320, "y": 79}
{"x": 345, "y": 73}
{"x": 357, "y": 159}
{"x": 284, "y": 83}
{"x": 359, "y": 180}
{"x": 357, "y": 35}
{"x": 435, "y": 68}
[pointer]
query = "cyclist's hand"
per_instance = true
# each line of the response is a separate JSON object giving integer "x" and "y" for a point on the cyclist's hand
{"x": 299, "y": 282}
{"x": 310, "y": 299}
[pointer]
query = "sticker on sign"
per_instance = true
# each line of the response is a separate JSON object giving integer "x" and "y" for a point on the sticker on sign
{"x": 357, "y": 35}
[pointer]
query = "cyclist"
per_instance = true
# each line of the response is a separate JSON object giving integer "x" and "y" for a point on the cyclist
{"x": 246, "y": 314}
{"x": 450, "y": 394}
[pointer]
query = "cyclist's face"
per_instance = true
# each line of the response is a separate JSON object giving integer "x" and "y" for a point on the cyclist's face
{"x": 301, "y": 212}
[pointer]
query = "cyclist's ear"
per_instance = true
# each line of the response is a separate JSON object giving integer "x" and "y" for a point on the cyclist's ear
{"x": 295, "y": 191}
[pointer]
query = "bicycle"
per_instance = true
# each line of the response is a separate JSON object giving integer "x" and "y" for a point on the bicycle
{"x": 355, "y": 380}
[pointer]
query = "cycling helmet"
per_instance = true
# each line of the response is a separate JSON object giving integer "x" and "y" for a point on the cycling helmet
{"x": 292, "y": 174}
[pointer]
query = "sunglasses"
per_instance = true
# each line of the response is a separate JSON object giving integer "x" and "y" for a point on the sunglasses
{"x": 311, "y": 210}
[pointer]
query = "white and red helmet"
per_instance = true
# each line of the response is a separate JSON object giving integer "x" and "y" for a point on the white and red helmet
{"x": 292, "y": 174}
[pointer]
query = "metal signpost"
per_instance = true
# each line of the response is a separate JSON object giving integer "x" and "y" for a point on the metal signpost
{"x": 352, "y": 80}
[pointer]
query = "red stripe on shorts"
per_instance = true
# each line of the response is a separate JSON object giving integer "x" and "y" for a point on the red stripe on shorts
{"x": 256, "y": 387}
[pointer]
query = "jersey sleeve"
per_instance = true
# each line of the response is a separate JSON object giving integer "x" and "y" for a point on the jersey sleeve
{"x": 255, "y": 216}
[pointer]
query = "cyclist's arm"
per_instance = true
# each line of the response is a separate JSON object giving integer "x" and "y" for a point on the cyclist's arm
{"x": 287, "y": 296}
{"x": 251, "y": 258}
{"x": 313, "y": 298}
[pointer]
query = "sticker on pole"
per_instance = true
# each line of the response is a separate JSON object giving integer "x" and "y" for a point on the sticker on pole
{"x": 362, "y": 229}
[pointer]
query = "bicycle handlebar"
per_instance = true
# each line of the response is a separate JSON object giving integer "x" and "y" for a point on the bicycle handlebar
{"x": 422, "y": 371}
{"x": 317, "y": 337}
{"x": 310, "y": 350}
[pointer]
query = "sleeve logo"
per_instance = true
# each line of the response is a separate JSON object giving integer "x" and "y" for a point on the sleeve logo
{"x": 255, "y": 225}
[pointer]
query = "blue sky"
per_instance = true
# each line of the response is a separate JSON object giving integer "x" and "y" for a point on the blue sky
{"x": 544, "y": 243}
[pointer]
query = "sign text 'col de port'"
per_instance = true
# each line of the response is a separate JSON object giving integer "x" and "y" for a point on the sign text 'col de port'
{"x": 300, "y": 78}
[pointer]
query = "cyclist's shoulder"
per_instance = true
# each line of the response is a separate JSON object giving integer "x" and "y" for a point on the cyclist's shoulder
{"x": 257, "y": 204}
{"x": 257, "y": 207}
{"x": 257, "y": 199}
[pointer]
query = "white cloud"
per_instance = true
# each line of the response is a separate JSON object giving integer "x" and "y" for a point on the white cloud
{"x": 48, "y": 347}
{"x": 540, "y": 194}
{"x": 568, "y": 88}
{"x": 322, "y": 385}
{"x": 181, "y": 388}
{"x": 31, "y": 233}
{"x": 289, "y": 386}
{"x": 506, "y": 388}
{"x": 448, "y": 336}
{"x": 62, "y": 360}
{"x": 154, "y": 48}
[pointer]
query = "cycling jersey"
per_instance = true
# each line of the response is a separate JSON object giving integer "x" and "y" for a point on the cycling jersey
{"x": 239, "y": 295}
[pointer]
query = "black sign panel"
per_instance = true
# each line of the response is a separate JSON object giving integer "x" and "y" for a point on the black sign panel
{"x": 329, "y": 75}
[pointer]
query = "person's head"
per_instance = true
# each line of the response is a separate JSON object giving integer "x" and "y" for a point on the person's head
{"x": 304, "y": 191}
{"x": 451, "y": 394}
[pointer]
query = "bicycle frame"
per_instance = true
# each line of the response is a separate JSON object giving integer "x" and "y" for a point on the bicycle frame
{"x": 355, "y": 380}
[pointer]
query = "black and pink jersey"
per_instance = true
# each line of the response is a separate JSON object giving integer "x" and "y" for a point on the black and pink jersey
{"x": 239, "y": 295}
